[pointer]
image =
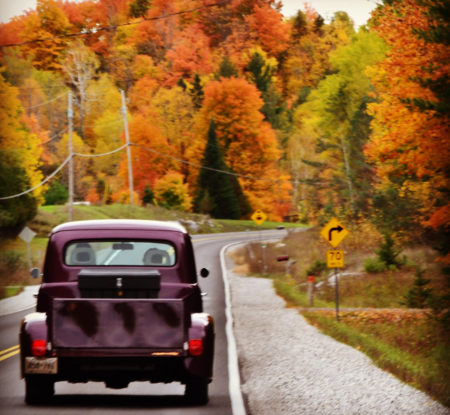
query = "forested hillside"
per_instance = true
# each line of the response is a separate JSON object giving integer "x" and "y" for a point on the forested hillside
{"x": 290, "y": 115}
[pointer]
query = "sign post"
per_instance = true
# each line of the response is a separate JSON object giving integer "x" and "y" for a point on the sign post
{"x": 311, "y": 291}
{"x": 259, "y": 217}
{"x": 27, "y": 236}
{"x": 334, "y": 233}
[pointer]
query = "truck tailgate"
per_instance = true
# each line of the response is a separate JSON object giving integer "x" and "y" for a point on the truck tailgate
{"x": 119, "y": 323}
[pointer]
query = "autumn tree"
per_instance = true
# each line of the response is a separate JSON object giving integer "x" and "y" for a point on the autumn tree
{"x": 148, "y": 162}
{"x": 48, "y": 22}
{"x": 175, "y": 118}
{"x": 311, "y": 44}
{"x": 249, "y": 144}
{"x": 80, "y": 69}
{"x": 272, "y": 33}
{"x": 215, "y": 193}
{"x": 337, "y": 107}
{"x": 172, "y": 193}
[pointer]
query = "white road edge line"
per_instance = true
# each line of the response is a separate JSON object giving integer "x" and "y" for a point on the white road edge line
{"x": 18, "y": 311}
{"x": 237, "y": 402}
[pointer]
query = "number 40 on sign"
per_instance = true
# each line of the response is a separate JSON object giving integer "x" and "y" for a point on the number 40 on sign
{"x": 335, "y": 259}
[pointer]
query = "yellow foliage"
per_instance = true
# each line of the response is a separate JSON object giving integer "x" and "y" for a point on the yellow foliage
{"x": 171, "y": 192}
{"x": 15, "y": 139}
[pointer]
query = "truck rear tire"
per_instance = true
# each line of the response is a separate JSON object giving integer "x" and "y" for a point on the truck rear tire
{"x": 38, "y": 390}
{"x": 197, "y": 391}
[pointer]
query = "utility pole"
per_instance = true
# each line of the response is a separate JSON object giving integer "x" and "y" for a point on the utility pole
{"x": 70, "y": 118}
{"x": 127, "y": 136}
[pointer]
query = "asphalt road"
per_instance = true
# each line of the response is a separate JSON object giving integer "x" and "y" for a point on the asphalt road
{"x": 95, "y": 398}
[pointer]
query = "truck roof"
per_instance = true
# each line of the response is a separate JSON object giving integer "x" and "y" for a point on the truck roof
{"x": 122, "y": 224}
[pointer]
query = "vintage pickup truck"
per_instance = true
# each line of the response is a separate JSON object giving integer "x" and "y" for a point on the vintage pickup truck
{"x": 119, "y": 302}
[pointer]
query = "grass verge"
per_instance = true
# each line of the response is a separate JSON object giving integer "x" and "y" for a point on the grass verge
{"x": 6, "y": 292}
{"x": 407, "y": 344}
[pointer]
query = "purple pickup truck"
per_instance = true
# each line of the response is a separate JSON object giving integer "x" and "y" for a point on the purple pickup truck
{"x": 119, "y": 302}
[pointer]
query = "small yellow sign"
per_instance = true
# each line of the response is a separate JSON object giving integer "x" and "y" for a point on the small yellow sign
{"x": 335, "y": 259}
{"x": 334, "y": 232}
{"x": 259, "y": 217}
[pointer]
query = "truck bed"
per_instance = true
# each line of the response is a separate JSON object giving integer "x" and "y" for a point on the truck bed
{"x": 157, "y": 324}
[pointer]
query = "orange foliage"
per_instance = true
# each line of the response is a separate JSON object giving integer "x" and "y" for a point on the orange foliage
{"x": 272, "y": 33}
{"x": 190, "y": 55}
{"x": 147, "y": 166}
{"x": 406, "y": 140}
{"x": 10, "y": 32}
{"x": 142, "y": 91}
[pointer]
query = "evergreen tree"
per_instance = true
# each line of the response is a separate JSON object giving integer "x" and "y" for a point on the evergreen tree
{"x": 215, "y": 194}
{"x": 182, "y": 84}
{"x": 197, "y": 92}
{"x": 299, "y": 26}
{"x": 149, "y": 196}
{"x": 244, "y": 204}
{"x": 388, "y": 253}
{"x": 418, "y": 296}
{"x": 139, "y": 8}
{"x": 227, "y": 69}
{"x": 261, "y": 75}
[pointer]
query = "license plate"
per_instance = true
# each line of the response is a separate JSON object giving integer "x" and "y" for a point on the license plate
{"x": 44, "y": 365}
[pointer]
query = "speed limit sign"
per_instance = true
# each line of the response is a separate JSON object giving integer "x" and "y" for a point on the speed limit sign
{"x": 335, "y": 259}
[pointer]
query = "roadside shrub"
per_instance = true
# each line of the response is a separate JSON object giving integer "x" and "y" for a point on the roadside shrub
{"x": 171, "y": 193}
{"x": 13, "y": 269}
{"x": 316, "y": 268}
{"x": 148, "y": 197}
{"x": 374, "y": 265}
{"x": 56, "y": 195}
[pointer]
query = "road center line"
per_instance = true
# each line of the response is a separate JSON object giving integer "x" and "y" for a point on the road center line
{"x": 252, "y": 235}
{"x": 10, "y": 354}
{"x": 8, "y": 350}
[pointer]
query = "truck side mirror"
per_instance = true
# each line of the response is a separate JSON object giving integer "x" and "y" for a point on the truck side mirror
{"x": 35, "y": 273}
{"x": 204, "y": 272}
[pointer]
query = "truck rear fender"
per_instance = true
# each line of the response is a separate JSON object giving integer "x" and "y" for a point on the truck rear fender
{"x": 202, "y": 327}
{"x": 33, "y": 327}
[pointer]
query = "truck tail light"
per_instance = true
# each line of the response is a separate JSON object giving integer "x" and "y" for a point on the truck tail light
{"x": 195, "y": 347}
{"x": 39, "y": 347}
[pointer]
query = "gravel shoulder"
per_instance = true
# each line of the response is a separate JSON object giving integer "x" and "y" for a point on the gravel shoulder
{"x": 289, "y": 367}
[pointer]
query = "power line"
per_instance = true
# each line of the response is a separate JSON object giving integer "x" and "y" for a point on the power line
{"x": 25, "y": 88}
{"x": 209, "y": 168}
{"x": 44, "y": 142}
{"x": 106, "y": 124}
{"x": 40, "y": 105}
{"x": 41, "y": 183}
{"x": 100, "y": 155}
{"x": 55, "y": 136}
{"x": 99, "y": 29}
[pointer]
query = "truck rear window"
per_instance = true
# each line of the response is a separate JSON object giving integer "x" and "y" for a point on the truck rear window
{"x": 120, "y": 253}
